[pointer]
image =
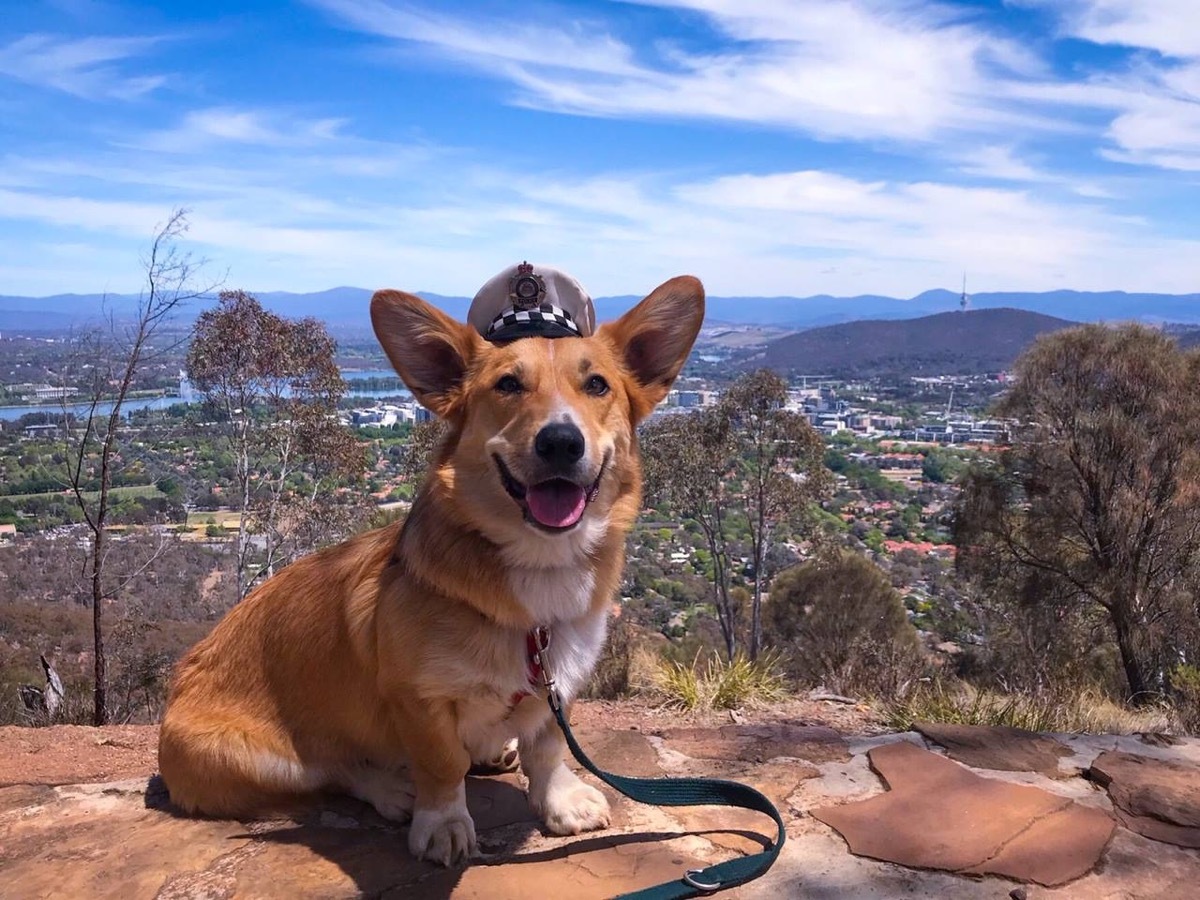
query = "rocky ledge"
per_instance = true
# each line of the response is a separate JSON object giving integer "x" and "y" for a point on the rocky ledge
{"x": 947, "y": 812}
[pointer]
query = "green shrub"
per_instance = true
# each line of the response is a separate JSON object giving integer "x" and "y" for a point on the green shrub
{"x": 840, "y": 624}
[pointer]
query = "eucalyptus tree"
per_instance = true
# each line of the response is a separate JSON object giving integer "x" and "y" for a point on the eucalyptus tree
{"x": 687, "y": 458}
{"x": 1097, "y": 500}
{"x": 748, "y": 459}
{"x": 275, "y": 386}
{"x": 782, "y": 466}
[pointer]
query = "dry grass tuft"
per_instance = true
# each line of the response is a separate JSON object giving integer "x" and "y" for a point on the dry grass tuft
{"x": 720, "y": 684}
{"x": 1083, "y": 712}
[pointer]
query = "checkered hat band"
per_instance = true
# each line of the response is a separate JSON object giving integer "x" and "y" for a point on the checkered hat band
{"x": 547, "y": 312}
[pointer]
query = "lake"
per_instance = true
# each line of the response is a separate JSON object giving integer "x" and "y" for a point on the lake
{"x": 12, "y": 413}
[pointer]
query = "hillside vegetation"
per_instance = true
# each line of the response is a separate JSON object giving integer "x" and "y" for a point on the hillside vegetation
{"x": 967, "y": 343}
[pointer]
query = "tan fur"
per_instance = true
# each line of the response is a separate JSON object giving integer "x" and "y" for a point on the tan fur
{"x": 386, "y": 666}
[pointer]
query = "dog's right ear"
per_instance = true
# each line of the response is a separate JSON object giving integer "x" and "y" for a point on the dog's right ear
{"x": 656, "y": 336}
{"x": 428, "y": 349}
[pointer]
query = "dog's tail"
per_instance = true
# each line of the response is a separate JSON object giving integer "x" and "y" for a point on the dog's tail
{"x": 217, "y": 767}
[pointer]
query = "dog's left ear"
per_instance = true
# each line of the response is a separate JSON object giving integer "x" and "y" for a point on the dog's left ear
{"x": 429, "y": 350}
{"x": 655, "y": 337}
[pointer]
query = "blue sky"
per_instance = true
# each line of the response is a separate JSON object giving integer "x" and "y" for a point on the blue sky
{"x": 768, "y": 146}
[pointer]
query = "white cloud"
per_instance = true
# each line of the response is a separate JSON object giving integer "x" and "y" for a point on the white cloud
{"x": 1001, "y": 163}
{"x": 205, "y": 127}
{"x": 288, "y": 199}
{"x": 579, "y": 47}
{"x": 448, "y": 228}
{"x": 985, "y": 229}
{"x": 1155, "y": 101}
{"x": 860, "y": 70}
{"x": 113, "y": 217}
{"x": 1155, "y": 112}
{"x": 1162, "y": 131}
{"x": 1172, "y": 27}
{"x": 80, "y": 66}
{"x": 810, "y": 232}
{"x": 853, "y": 68}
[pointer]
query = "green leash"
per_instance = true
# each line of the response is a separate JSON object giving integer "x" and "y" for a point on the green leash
{"x": 685, "y": 792}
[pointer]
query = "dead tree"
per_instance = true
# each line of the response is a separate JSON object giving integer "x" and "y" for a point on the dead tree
{"x": 45, "y": 702}
{"x": 115, "y": 351}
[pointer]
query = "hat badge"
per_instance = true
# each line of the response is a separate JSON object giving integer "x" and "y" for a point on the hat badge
{"x": 526, "y": 290}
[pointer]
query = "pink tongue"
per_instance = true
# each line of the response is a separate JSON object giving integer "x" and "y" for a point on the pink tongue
{"x": 556, "y": 503}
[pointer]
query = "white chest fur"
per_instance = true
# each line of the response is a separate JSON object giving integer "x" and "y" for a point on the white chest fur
{"x": 487, "y": 718}
{"x": 561, "y": 599}
{"x": 553, "y": 594}
{"x": 574, "y": 648}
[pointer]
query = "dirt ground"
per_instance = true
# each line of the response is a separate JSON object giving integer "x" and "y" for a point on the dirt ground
{"x": 75, "y": 754}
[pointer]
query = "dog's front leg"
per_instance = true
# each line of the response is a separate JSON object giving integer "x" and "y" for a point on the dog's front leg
{"x": 442, "y": 830}
{"x": 564, "y": 802}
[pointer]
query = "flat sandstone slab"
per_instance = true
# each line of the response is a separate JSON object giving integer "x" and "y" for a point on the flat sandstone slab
{"x": 60, "y": 837}
{"x": 758, "y": 743}
{"x": 121, "y": 840}
{"x": 938, "y": 814}
{"x": 998, "y": 747}
{"x": 1157, "y": 798}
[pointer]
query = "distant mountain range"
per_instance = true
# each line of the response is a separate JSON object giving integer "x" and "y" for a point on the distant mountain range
{"x": 345, "y": 308}
{"x": 959, "y": 343}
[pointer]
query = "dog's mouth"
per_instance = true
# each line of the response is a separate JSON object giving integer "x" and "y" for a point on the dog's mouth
{"x": 556, "y": 504}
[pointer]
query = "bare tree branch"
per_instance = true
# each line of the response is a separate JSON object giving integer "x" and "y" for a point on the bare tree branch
{"x": 121, "y": 350}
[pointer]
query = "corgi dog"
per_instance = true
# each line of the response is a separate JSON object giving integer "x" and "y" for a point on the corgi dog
{"x": 386, "y": 666}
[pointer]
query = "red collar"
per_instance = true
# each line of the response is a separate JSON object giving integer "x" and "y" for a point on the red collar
{"x": 537, "y": 641}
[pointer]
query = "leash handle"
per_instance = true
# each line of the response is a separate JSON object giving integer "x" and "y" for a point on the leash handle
{"x": 686, "y": 792}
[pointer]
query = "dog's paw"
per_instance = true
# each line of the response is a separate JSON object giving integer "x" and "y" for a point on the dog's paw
{"x": 395, "y": 801}
{"x": 391, "y": 793}
{"x": 505, "y": 759}
{"x": 444, "y": 835}
{"x": 574, "y": 808}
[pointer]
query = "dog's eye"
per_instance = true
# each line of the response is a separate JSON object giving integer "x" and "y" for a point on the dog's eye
{"x": 509, "y": 384}
{"x": 596, "y": 386}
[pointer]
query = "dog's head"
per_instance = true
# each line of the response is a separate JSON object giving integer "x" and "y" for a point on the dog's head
{"x": 542, "y": 451}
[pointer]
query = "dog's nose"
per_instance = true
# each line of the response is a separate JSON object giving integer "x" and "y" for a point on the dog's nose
{"x": 560, "y": 444}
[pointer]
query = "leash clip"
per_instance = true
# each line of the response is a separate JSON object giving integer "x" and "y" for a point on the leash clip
{"x": 541, "y": 644}
{"x": 707, "y": 887}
